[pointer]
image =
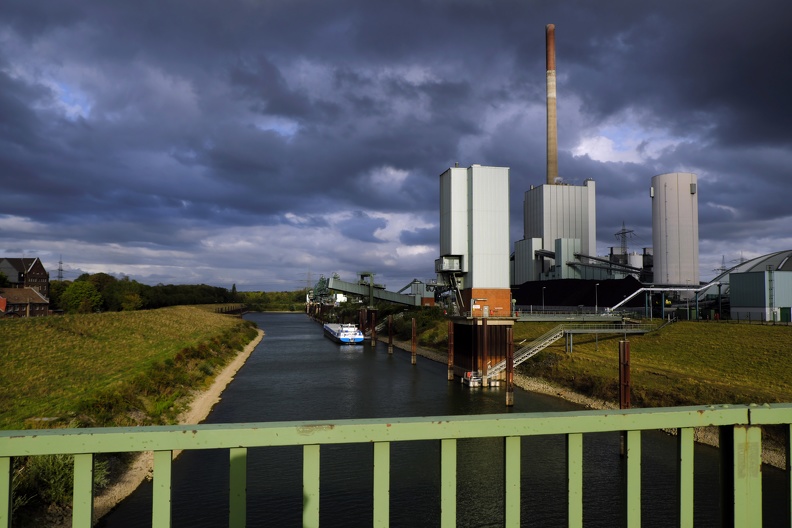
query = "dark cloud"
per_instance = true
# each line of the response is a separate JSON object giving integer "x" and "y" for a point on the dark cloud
{"x": 361, "y": 227}
{"x": 238, "y": 142}
{"x": 416, "y": 237}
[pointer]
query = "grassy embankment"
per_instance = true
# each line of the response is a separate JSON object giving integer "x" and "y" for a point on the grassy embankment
{"x": 682, "y": 364}
{"x": 685, "y": 363}
{"x": 111, "y": 369}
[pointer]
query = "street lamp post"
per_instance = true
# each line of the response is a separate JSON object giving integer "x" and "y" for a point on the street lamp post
{"x": 596, "y": 298}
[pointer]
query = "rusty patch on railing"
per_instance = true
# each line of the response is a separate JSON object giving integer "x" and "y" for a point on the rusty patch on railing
{"x": 307, "y": 430}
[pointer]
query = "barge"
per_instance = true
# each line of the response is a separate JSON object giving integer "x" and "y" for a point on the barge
{"x": 346, "y": 334}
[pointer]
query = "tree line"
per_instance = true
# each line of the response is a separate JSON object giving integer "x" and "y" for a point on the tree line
{"x": 101, "y": 292}
{"x": 273, "y": 301}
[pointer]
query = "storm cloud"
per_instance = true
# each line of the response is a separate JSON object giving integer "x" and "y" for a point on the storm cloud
{"x": 262, "y": 143}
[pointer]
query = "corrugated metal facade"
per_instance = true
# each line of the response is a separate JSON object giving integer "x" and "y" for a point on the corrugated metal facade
{"x": 675, "y": 228}
{"x": 748, "y": 290}
{"x": 562, "y": 211}
{"x": 474, "y": 223}
{"x": 760, "y": 295}
{"x": 489, "y": 227}
{"x": 528, "y": 268}
{"x": 454, "y": 213}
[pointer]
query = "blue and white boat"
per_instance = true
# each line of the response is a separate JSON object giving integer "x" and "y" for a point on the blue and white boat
{"x": 346, "y": 334}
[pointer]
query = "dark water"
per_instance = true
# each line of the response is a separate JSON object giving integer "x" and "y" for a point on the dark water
{"x": 297, "y": 374}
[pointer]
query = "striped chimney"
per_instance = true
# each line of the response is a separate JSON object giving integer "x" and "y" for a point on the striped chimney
{"x": 552, "y": 120}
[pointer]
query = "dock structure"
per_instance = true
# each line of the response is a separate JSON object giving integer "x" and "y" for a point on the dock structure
{"x": 479, "y": 347}
{"x": 478, "y": 344}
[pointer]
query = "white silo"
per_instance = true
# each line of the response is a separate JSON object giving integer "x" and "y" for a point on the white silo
{"x": 675, "y": 228}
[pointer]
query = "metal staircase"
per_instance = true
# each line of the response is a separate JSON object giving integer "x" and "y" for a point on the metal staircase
{"x": 381, "y": 326}
{"x": 457, "y": 293}
{"x": 558, "y": 332}
{"x": 531, "y": 349}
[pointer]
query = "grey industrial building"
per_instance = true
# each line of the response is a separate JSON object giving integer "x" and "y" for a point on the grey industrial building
{"x": 759, "y": 289}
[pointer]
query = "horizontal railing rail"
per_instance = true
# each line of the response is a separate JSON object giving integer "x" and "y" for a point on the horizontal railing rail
{"x": 740, "y": 424}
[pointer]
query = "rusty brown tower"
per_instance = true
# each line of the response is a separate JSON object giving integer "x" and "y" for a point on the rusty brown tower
{"x": 552, "y": 121}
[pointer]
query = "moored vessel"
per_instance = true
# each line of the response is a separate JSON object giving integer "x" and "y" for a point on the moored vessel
{"x": 346, "y": 334}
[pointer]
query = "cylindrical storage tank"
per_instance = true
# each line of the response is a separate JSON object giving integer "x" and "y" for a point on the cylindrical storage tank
{"x": 675, "y": 228}
{"x": 635, "y": 260}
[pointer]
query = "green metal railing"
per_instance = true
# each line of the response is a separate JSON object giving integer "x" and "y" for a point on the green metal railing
{"x": 740, "y": 428}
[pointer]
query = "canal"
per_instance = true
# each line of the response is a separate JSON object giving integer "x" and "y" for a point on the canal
{"x": 296, "y": 373}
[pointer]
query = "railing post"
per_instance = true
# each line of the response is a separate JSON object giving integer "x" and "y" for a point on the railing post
{"x": 310, "y": 486}
{"x": 685, "y": 444}
{"x": 632, "y": 453}
{"x": 512, "y": 462}
{"x": 161, "y": 503}
{"x": 82, "y": 501}
{"x": 5, "y": 491}
{"x": 574, "y": 445}
{"x": 237, "y": 497}
{"x": 381, "y": 484}
{"x": 448, "y": 476}
{"x": 741, "y": 475}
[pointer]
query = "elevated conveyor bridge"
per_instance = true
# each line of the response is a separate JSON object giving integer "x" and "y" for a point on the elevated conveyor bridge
{"x": 373, "y": 291}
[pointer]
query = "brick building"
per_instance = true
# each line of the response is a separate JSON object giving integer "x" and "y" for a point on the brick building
{"x": 22, "y": 302}
{"x": 26, "y": 273}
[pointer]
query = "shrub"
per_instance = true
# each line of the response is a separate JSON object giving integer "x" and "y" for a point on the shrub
{"x": 45, "y": 480}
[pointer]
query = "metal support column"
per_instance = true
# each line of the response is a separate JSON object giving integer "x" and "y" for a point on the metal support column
{"x": 509, "y": 367}
{"x": 484, "y": 353}
{"x": 450, "y": 350}
{"x": 414, "y": 342}
{"x": 390, "y": 334}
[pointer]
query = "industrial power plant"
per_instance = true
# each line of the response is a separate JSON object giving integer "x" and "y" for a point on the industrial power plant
{"x": 555, "y": 264}
{"x": 559, "y": 235}
{"x": 554, "y": 272}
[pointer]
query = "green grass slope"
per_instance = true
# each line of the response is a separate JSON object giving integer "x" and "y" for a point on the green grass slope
{"x": 120, "y": 368}
{"x": 685, "y": 363}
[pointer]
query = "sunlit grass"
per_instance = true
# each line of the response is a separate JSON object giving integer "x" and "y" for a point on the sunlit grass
{"x": 52, "y": 365}
{"x": 685, "y": 363}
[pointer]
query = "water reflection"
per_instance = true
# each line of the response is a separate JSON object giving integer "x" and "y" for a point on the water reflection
{"x": 298, "y": 374}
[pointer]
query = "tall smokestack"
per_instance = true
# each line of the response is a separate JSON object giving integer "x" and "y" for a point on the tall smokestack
{"x": 552, "y": 121}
